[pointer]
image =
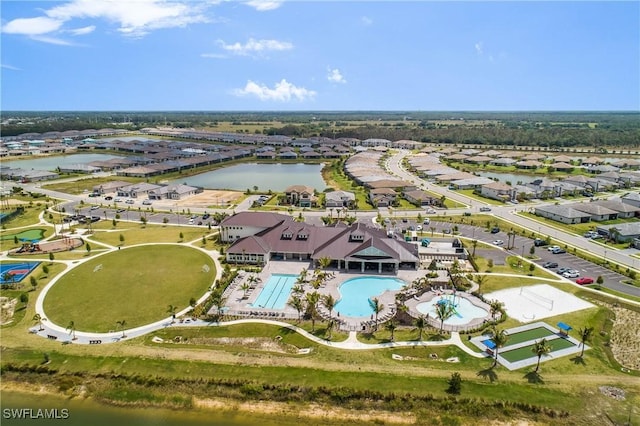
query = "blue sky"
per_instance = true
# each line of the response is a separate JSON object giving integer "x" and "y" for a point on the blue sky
{"x": 320, "y": 55}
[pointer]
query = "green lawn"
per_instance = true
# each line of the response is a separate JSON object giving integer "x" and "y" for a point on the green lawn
{"x": 469, "y": 193}
{"x": 135, "y": 285}
{"x": 526, "y": 352}
{"x": 136, "y": 233}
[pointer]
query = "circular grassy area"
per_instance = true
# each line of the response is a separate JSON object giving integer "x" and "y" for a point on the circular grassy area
{"x": 135, "y": 285}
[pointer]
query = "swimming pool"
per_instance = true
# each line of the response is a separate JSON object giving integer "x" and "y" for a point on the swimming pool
{"x": 464, "y": 310}
{"x": 356, "y": 292}
{"x": 275, "y": 293}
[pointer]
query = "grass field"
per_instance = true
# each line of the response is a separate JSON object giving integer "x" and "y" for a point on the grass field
{"x": 135, "y": 285}
{"x": 136, "y": 233}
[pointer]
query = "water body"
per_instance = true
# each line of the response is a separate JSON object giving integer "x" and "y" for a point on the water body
{"x": 87, "y": 412}
{"x": 50, "y": 163}
{"x": 276, "y": 177}
{"x": 513, "y": 178}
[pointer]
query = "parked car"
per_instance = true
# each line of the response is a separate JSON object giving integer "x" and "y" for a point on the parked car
{"x": 120, "y": 211}
{"x": 552, "y": 248}
{"x": 446, "y": 231}
{"x": 404, "y": 220}
{"x": 419, "y": 228}
{"x": 206, "y": 216}
{"x": 563, "y": 269}
{"x": 584, "y": 280}
{"x": 147, "y": 202}
{"x": 117, "y": 200}
{"x": 590, "y": 234}
{"x": 426, "y": 221}
{"x": 549, "y": 265}
{"x": 571, "y": 274}
{"x": 495, "y": 230}
{"x": 129, "y": 201}
{"x": 95, "y": 207}
{"x": 558, "y": 251}
{"x": 430, "y": 210}
{"x": 485, "y": 209}
{"x": 538, "y": 242}
{"x": 498, "y": 242}
{"x": 108, "y": 198}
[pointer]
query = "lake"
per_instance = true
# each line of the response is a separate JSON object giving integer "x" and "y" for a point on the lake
{"x": 50, "y": 163}
{"x": 513, "y": 178}
{"x": 276, "y": 177}
{"x": 88, "y": 412}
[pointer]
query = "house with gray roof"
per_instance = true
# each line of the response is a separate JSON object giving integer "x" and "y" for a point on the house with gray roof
{"x": 340, "y": 199}
{"x": 597, "y": 212}
{"x": 561, "y": 213}
{"x": 498, "y": 191}
{"x": 632, "y": 198}
{"x": 244, "y": 224}
{"x": 624, "y": 210}
{"x": 137, "y": 189}
{"x": 624, "y": 232}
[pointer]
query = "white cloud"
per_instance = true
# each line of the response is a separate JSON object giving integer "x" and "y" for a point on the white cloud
{"x": 213, "y": 55}
{"x": 255, "y": 46}
{"x": 83, "y": 30}
{"x": 366, "y": 20}
{"x": 335, "y": 76}
{"x": 264, "y": 5}
{"x": 52, "y": 40}
{"x": 479, "y": 47}
{"x": 281, "y": 92}
{"x": 135, "y": 18}
{"x": 32, "y": 26}
{"x": 10, "y": 67}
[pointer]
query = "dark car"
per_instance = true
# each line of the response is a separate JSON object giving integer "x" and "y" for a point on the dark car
{"x": 206, "y": 216}
{"x": 540, "y": 242}
{"x": 108, "y": 198}
{"x": 495, "y": 230}
{"x": 549, "y": 265}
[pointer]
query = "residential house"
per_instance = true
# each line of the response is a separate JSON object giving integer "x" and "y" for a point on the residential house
{"x": 597, "y": 212}
{"x": 621, "y": 232}
{"x": 382, "y": 197}
{"x": 632, "y": 198}
{"x": 562, "y": 213}
{"x": 420, "y": 198}
{"x": 340, "y": 199}
{"x": 498, "y": 191}
{"x": 300, "y": 195}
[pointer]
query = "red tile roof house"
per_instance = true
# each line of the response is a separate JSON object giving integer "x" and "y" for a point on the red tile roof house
{"x": 357, "y": 247}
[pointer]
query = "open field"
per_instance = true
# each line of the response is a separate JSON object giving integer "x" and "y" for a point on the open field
{"x": 135, "y": 285}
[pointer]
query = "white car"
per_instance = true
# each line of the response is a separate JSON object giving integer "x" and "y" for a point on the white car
{"x": 571, "y": 274}
{"x": 430, "y": 211}
{"x": 552, "y": 248}
{"x": 117, "y": 200}
{"x": 498, "y": 242}
{"x": 419, "y": 228}
{"x": 129, "y": 201}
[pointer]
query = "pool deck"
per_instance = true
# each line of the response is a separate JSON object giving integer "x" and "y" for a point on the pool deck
{"x": 428, "y": 296}
{"x": 533, "y": 360}
{"x": 241, "y": 306}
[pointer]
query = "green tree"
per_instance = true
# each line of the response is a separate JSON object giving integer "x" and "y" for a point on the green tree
{"x": 329, "y": 303}
{"x": 331, "y": 324}
{"x": 143, "y": 219}
{"x": 33, "y": 282}
{"x": 312, "y": 308}
{"x": 114, "y": 222}
{"x": 455, "y": 384}
{"x": 171, "y": 310}
{"x": 391, "y": 328}
{"x": 88, "y": 247}
{"x": 297, "y": 303}
{"x": 37, "y": 318}
{"x": 532, "y": 250}
{"x": 24, "y": 298}
{"x": 420, "y": 324}
{"x": 376, "y": 307}
{"x": 585, "y": 335}
{"x": 599, "y": 280}
{"x": 499, "y": 338}
{"x": 121, "y": 324}
{"x": 121, "y": 238}
{"x": 540, "y": 348}
{"x": 51, "y": 257}
{"x": 444, "y": 311}
{"x": 45, "y": 269}
{"x": 496, "y": 308}
{"x": 181, "y": 236}
{"x": 71, "y": 328}
{"x": 480, "y": 280}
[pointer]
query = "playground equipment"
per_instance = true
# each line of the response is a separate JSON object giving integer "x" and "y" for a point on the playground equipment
{"x": 450, "y": 300}
{"x": 29, "y": 246}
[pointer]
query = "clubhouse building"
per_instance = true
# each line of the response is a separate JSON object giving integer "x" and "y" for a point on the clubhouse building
{"x": 259, "y": 237}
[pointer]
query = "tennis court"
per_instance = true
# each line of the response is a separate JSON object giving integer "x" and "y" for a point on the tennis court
{"x": 14, "y": 272}
{"x": 525, "y": 352}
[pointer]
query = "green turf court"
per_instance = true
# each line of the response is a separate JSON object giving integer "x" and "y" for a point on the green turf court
{"x": 526, "y": 352}
{"x": 29, "y": 234}
{"x": 526, "y": 335}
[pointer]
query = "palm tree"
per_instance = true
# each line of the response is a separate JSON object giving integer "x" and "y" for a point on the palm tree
{"x": 540, "y": 348}
{"x": 302, "y": 278}
{"x": 391, "y": 328}
{"x": 480, "y": 280}
{"x": 585, "y": 336}
{"x": 324, "y": 262}
{"x": 377, "y": 307}
{"x": 72, "y": 330}
{"x": 496, "y": 308}
{"x": 121, "y": 324}
{"x": 329, "y": 302}
{"x": 245, "y": 286}
{"x": 432, "y": 229}
{"x": 297, "y": 303}
{"x": 312, "y": 307}
{"x": 172, "y": 311}
{"x": 297, "y": 289}
{"x": 218, "y": 301}
{"x": 474, "y": 244}
{"x": 444, "y": 311}
{"x": 420, "y": 324}
{"x": 614, "y": 234}
{"x": 38, "y": 319}
{"x": 499, "y": 338}
{"x": 330, "y": 326}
